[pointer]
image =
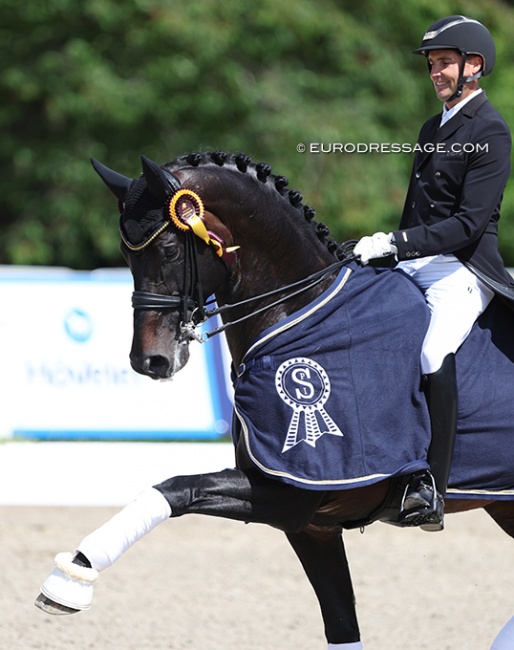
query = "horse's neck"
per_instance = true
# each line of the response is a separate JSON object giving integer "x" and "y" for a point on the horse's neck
{"x": 278, "y": 247}
{"x": 259, "y": 283}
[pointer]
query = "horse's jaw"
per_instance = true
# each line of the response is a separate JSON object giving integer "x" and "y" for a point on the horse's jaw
{"x": 161, "y": 366}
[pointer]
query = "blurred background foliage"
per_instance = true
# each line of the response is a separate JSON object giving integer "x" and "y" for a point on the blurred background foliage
{"x": 113, "y": 80}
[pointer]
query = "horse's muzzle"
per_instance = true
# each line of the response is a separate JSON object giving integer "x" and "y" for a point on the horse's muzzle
{"x": 160, "y": 366}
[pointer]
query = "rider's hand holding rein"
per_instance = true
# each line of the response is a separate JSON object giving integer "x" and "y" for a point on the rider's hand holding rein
{"x": 376, "y": 246}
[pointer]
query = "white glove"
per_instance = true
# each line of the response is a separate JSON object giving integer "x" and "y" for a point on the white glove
{"x": 378, "y": 245}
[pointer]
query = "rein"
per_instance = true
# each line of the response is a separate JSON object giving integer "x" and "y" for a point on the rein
{"x": 199, "y": 314}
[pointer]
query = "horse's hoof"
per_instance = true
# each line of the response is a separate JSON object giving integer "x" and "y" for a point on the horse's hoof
{"x": 51, "y": 607}
{"x": 68, "y": 589}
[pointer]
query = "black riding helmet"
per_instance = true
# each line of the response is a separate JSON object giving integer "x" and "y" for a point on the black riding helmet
{"x": 467, "y": 36}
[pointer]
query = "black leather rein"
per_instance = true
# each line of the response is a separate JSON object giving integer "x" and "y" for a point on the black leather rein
{"x": 144, "y": 300}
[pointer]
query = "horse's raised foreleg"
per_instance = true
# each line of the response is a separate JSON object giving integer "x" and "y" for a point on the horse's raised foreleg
{"x": 244, "y": 495}
{"x": 323, "y": 558}
{"x": 234, "y": 494}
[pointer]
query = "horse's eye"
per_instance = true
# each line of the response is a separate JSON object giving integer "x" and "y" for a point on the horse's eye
{"x": 171, "y": 252}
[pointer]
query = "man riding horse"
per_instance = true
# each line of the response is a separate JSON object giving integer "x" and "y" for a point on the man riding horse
{"x": 448, "y": 235}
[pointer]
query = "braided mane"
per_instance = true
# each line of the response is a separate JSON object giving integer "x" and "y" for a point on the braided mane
{"x": 244, "y": 164}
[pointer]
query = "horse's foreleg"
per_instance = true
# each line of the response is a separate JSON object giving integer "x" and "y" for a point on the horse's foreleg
{"x": 243, "y": 495}
{"x": 323, "y": 558}
{"x": 233, "y": 494}
{"x": 69, "y": 588}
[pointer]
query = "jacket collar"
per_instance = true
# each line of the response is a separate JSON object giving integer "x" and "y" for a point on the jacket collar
{"x": 467, "y": 111}
{"x": 436, "y": 135}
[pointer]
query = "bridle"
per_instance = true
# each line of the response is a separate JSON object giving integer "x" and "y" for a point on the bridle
{"x": 186, "y": 212}
{"x": 195, "y": 311}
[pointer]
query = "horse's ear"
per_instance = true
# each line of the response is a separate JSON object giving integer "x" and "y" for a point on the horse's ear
{"x": 161, "y": 183}
{"x": 117, "y": 183}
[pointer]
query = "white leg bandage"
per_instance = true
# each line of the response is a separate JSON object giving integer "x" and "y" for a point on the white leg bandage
{"x": 345, "y": 646}
{"x": 505, "y": 639}
{"x": 106, "y": 544}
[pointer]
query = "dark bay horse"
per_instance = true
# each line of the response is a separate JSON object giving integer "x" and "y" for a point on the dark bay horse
{"x": 218, "y": 224}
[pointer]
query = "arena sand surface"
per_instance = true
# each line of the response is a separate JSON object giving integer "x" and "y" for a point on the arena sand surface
{"x": 203, "y": 583}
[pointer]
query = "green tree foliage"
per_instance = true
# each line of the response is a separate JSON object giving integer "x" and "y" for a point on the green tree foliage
{"x": 113, "y": 80}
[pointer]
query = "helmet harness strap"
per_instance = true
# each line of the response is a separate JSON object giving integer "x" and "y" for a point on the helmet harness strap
{"x": 462, "y": 80}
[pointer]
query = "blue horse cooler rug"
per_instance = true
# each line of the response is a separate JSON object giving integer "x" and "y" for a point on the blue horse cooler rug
{"x": 330, "y": 397}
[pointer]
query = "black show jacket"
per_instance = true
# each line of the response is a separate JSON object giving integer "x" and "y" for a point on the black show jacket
{"x": 455, "y": 191}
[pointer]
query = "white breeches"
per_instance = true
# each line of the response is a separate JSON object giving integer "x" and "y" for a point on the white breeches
{"x": 455, "y": 297}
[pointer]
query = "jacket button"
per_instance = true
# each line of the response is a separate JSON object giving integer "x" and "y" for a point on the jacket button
{"x": 438, "y": 174}
{"x": 432, "y": 204}
{"x": 413, "y": 204}
{"x": 418, "y": 174}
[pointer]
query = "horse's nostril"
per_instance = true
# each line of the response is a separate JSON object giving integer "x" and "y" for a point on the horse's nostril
{"x": 156, "y": 366}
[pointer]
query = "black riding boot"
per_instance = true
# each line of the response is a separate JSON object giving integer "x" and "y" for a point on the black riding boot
{"x": 423, "y": 504}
